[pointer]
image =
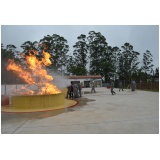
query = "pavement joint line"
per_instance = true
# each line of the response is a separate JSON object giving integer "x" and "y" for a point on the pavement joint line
{"x": 19, "y": 127}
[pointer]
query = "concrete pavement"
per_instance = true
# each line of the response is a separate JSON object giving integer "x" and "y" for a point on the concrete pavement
{"x": 97, "y": 113}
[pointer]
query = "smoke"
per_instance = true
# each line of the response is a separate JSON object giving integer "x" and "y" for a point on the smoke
{"x": 59, "y": 80}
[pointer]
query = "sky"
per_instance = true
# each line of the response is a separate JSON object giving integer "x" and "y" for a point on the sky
{"x": 141, "y": 37}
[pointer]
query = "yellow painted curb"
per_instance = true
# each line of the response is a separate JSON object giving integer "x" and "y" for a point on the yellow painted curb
{"x": 67, "y": 103}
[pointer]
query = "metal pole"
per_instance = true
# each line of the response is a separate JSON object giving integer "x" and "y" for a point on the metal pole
{"x": 5, "y": 88}
{"x": 16, "y": 88}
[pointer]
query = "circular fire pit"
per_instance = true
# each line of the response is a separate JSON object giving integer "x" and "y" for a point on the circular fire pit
{"x": 47, "y": 96}
{"x": 35, "y": 103}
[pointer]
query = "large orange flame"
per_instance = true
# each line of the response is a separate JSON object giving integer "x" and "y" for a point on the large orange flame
{"x": 36, "y": 74}
{"x": 46, "y": 59}
{"x": 21, "y": 72}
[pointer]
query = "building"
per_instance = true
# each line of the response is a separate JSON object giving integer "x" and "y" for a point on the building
{"x": 85, "y": 81}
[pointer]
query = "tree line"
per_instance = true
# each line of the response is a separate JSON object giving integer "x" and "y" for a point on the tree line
{"x": 91, "y": 56}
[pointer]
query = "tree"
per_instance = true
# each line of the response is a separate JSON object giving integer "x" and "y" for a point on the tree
{"x": 8, "y": 52}
{"x": 107, "y": 63}
{"x": 58, "y": 49}
{"x": 80, "y": 55}
{"x": 71, "y": 69}
{"x": 147, "y": 64}
{"x": 97, "y": 46}
{"x": 115, "y": 61}
{"x": 147, "y": 61}
{"x": 128, "y": 62}
{"x": 28, "y": 45}
{"x": 156, "y": 74}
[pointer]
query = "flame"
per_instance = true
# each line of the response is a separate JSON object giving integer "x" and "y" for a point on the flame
{"x": 36, "y": 74}
{"x": 21, "y": 72}
{"x": 46, "y": 59}
{"x": 32, "y": 60}
{"x": 49, "y": 89}
{"x": 25, "y": 91}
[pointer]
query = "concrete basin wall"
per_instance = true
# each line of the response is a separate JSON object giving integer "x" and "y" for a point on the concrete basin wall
{"x": 38, "y": 101}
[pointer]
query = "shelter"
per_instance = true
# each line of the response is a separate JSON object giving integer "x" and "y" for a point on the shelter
{"x": 86, "y": 81}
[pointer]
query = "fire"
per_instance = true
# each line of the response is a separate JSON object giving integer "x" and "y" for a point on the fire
{"x": 46, "y": 59}
{"x": 21, "y": 72}
{"x": 36, "y": 73}
{"x": 32, "y": 60}
{"x": 49, "y": 88}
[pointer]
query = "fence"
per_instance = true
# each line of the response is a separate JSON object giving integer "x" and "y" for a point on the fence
{"x": 11, "y": 89}
{"x": 148, "y": 86}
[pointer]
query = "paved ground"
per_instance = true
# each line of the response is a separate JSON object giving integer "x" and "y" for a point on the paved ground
{"x": 97, "y": 113}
